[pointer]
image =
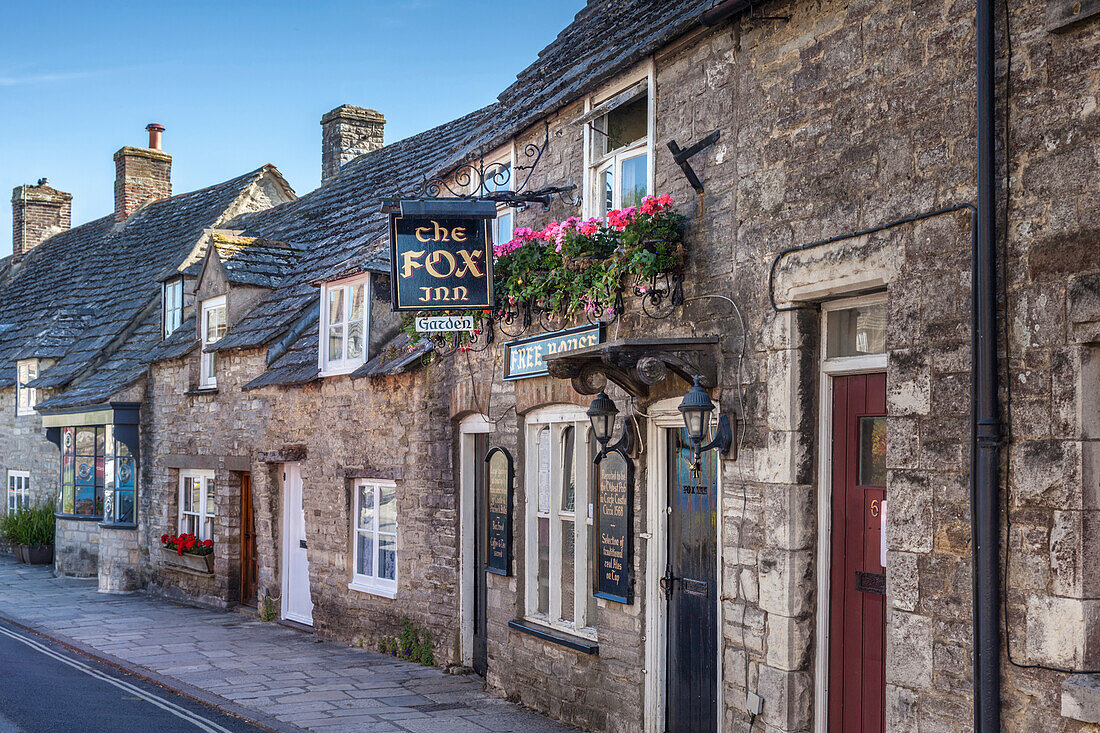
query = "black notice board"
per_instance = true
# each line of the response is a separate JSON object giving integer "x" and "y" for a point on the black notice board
{"x": 501, "y": 481}
{"x": 615, "y": 527}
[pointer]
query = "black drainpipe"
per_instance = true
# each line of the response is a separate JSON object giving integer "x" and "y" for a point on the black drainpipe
{"x": 984, "y": 412}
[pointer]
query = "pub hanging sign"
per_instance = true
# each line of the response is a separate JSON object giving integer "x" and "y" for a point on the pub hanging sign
{"x": 441, "y": 255}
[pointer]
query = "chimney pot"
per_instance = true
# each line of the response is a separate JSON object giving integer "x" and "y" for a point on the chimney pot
{"x": 154, "y": 135}
{"x": 348, "y": 132}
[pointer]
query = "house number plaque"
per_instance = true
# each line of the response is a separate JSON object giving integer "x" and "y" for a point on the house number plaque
{"x": 614, "y": 528}
{"x": 501, "y": 477}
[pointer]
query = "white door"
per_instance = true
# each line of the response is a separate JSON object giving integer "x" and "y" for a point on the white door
{"x": 297, "y": 604}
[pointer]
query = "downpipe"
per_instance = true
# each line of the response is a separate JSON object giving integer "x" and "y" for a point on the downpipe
{"x": 985, "y": 410}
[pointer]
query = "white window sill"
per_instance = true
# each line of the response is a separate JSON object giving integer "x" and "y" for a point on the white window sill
{"x": 374, "y": 590}
{"x": 588, "y": 632}
{"x": 25, "y": 413}
{"x": 340, "y": 372}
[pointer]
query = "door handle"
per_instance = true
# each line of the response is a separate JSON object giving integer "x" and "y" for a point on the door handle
{"x": 667, "y": 580}
{"x": 302, "y": 544}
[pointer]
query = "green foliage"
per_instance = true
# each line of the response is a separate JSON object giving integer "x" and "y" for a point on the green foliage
{"x": 29, "y": 525}
{"x": 267, "y": 611}
{"x": 413, "y": 643}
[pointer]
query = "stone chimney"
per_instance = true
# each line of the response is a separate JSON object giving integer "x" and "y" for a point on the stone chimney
{"x": 38, "y": 213}
{"x": 142, "y": 175}
{"x": 348, "y": 132}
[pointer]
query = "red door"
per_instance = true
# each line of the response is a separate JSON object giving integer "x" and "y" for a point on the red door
{"x": 857, "y": 604}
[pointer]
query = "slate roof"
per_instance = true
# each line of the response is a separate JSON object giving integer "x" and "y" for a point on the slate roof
{"x": 340, "y": 223}
{"x": 251, "y": 260}
{"x": 89, "y": 296}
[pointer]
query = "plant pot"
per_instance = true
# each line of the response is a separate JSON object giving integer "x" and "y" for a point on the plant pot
{"x": 37, "y": 554}
{"x": 21, "y": 554}
{"x": 196, "y": 563}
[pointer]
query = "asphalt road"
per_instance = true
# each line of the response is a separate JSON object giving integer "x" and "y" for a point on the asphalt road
{"x": 46, "y": 688}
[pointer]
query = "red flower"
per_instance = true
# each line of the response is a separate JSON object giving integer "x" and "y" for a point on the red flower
{"x": 208, "y": 543}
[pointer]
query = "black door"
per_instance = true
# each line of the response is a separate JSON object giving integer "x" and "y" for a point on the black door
{"x": 691, "y": 583}
{"x": 481, "y": 544}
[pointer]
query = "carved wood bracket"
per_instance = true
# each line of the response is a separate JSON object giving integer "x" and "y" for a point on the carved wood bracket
{"x": 637, "y": 364}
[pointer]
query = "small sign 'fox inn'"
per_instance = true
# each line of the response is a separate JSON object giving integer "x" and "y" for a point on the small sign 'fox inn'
{"x": 441, "y": 255}
{"x": 524, "y": 357}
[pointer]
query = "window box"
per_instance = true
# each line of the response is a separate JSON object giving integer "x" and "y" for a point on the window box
{"x": 196, "y": 563}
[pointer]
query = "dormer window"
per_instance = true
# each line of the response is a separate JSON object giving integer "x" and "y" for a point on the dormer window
{"x": 172, "y": 302}
{"x": 27, "y": 397}
{"x": 344, "y": 313}
{"x": 213, "y": 329}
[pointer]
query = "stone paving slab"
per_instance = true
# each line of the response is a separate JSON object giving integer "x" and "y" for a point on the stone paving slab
{"x": 275, "y": 676}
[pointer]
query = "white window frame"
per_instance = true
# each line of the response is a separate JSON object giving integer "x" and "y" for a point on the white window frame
{"x": 172, "y": 313}
{"x": 26, "y": 397}
{"x": 372, "y": 584}
{"x": 20, "y": 491}
{"x": 205, "y": 512}
{"x": 595, "y": 166}
{"x": 343, "y": 365}
{"x": 556, "y": 419}
{"x": 209, "y": 361}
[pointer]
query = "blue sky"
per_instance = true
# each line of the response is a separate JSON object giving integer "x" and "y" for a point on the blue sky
{"x": 240, "y": 84}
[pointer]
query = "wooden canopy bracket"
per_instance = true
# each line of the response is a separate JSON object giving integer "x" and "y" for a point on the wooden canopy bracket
{"x": 681, "y": 157}
{"x": 637, "y": 364}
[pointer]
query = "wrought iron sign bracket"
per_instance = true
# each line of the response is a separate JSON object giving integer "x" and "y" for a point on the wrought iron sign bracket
{"x": 636, "y": 365}
{"x": 681, "y": 156}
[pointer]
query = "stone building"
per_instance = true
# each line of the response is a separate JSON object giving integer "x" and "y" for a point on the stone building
{"x": 817, "y": 573}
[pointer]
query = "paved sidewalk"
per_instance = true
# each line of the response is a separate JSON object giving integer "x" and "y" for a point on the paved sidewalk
{"x": 265, "y": 672}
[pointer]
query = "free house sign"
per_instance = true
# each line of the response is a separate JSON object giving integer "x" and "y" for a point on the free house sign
{"x": 523, "y": 358}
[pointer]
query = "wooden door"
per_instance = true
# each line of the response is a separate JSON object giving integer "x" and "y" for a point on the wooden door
{"x": 857, "y": 604}
{"x": 248, "y": 543}
{"x": 691, "y": 586}
{"x": 481, "y": 550}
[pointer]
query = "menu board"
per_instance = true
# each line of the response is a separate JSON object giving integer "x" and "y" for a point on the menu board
{"x": 500, "y": 480}
{"x": 614, "y": 527}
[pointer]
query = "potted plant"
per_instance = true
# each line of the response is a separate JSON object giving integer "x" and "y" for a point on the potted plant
{"x": 187, "y": 550}
{"x": 31, "y": 531}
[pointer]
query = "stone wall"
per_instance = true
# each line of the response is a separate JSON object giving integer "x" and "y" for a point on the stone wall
{"x": 76, "y": 547}
{"x": 23, "y": 447}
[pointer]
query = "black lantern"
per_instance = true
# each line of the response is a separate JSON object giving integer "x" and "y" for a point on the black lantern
{"x": 696, "y": 407}
{"x": 602, "y": 413}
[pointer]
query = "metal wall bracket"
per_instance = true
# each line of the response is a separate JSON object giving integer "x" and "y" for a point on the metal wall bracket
{"x": 681, "y": 157}
{"x": 636, "y": 364}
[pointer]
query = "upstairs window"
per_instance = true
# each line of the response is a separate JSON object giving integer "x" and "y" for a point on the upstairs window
{"x": 27, "y": 397}
{"x": 19, "y": 490}
{"x": 213, "y": 329}
{"x": 618, "y": 151}
{"x": 499, "y": 178}
{"x": 344, "y": 314}
{"x": 173, "y": 305}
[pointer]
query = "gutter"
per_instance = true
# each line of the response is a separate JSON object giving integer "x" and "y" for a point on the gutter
{"x": 721, "y": 12}
{"x": 985, "y": 407}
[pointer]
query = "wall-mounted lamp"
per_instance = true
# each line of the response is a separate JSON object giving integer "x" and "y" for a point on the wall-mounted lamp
{"x": 602, "y": 413}
{"x": 696, "y": 408}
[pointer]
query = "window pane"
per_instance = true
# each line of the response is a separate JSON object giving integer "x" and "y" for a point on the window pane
{"x": 124, "y": 501}
{"x": 108, "y": 505}
{"x": 124, "y": 473}
{"x": 192, "y": 495}
{"x": 544, "y": 565}
{"x": 67, "y": 441}
{"x": 569, "y": 470}
{"x": 68, "y": 502}
{"x": 85, "y": 441}
{"x": 627, "y": 124}
{"x": 872, "y": 451}
{"x": 856, "y": 331}
{"x": 68, "y": 470}
{"x": 207, "y": 530}
{"x": 336, "y": 343}
{"x": 355, "y": 340}
{"x": 544, "y": 470}
{"x": 364, "y": 563}
{"x": 568, "y": 547}
{"x": 503, "y": 232}
{"x": 387, "y": 557}
{"x": 606, "y": 185}
{"x": 336, "y": 305}
{"x": 634, "y": 181}
{"x": 357, "y": 302}
{"x": 85, "y": 500}
{"x": 591, "y": 570}
{"x": 387, "y": 510}
{"x": 211, "y": 506}
{"x": 366, "y": 506}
